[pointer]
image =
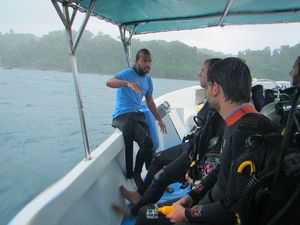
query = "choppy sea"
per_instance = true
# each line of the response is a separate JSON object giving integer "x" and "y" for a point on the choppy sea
{"x": 40, "y": 134}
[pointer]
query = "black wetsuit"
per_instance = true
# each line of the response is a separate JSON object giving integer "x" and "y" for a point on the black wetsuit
{"x": 135, "y": 128}
{"x": 213, "y": 198}
{"x": 170, "y": 166}
{"x": 165, "y": 157}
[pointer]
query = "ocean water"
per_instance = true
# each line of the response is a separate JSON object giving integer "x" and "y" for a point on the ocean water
{"x": 40, "y": 134}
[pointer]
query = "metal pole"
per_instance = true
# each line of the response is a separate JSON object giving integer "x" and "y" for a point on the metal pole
{"x": 86, "y": 19}
{"x": 126, "y": 42}
{"x": 59, "y": 12}
{"x": 126, "y": 46}
{"x": 73, "y": 63}
{"x": 65, "y": 17}
{"x": 80, "y": 107}
{"x": 226, "y": 10}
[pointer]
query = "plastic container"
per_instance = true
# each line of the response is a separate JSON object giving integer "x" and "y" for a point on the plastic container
{"x": 166, "y": 209}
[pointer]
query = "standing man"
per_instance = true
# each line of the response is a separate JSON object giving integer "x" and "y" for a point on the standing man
{"x": 228, "y": 91}
{"x": 295, "y": 72}
{"x": 132, "y": 85}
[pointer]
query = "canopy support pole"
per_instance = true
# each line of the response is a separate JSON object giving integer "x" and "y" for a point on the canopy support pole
{"x": 226, "y": 10}
{"x": 67, "y": 21}
{"x": 126, "y": 42}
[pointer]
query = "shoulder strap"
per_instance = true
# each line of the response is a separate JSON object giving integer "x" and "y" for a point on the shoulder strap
{"x": 240, "y": 113}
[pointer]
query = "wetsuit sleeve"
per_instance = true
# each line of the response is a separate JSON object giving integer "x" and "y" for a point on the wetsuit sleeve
{"x": 205, "y": 185}
{"x": 215, "y": 213}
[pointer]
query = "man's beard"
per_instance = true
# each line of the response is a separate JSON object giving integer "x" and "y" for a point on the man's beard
{"x": 214, "y": 105}
{"x": 140, "y": 71}
{"x": 296, "y": 80}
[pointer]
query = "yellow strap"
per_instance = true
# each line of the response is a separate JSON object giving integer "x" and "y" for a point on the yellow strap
{"x": 247, "y": 163}
{"x": 193, "y": 163}
{"x": 283, "y": 132}
{"x": 199, "y": 106}
{"x": 238, "y": 219}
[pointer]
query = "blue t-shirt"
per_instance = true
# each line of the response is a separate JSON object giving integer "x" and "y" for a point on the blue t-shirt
{"x": 128, "y": 100}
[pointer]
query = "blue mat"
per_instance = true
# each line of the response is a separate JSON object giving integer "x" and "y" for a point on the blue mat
{"x": 167, "y": 196}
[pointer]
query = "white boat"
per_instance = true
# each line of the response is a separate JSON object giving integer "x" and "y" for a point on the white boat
{"x": 86, "y": 193}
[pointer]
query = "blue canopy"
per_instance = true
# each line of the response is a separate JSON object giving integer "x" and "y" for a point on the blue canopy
{"x": 148, "y": 16}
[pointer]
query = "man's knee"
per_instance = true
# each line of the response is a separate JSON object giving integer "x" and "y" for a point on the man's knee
{"x": 160, "y": 176}
{"x": 142, "y": 216}
{"x": 163, "y": 158}
{"x": 158, "y": 160}
{"x": 148, "y": 142}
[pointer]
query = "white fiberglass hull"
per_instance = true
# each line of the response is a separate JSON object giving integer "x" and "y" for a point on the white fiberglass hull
{"x": 86, "y": 193}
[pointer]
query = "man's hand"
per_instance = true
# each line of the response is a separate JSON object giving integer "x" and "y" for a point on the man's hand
{"x": 188, "y": 178}
{"x": 162, "y": 126}
{"x": 178, "y": 215}
{"x": 184, "y": 201}
{"x": 135, "y": 87}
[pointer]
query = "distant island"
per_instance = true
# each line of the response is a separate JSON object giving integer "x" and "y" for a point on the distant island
{"x": 102, "y": 54}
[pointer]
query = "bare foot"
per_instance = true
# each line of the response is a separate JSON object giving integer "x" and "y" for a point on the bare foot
{"x": 131, "y": 196}
{"x": 169, "y": 189}
{"x": 122, "y": 211}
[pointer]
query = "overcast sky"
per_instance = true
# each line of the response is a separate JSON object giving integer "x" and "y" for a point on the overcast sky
{"x": 22, "y": 16}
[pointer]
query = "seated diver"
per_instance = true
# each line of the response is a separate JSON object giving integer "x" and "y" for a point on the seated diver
{"x": 170, "y": 165}
{"x": 270, "y": 102}
{"x": 218, "y": 192}
{"x": 272, "y": 196}
{"x": 262, "y": 98}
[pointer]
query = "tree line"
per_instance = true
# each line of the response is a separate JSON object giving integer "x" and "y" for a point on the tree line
{"x": 102, "y": 54}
